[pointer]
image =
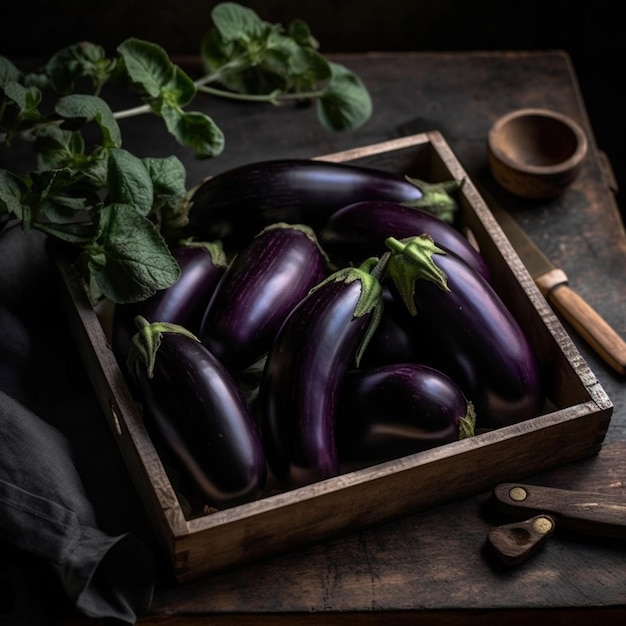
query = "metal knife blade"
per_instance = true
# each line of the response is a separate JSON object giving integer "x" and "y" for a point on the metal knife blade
{"x": 554, "y": 285}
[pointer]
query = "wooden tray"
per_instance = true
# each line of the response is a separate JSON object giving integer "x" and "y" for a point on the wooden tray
{"x": 572, "y": 425}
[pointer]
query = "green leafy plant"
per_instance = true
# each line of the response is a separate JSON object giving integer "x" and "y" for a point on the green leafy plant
{"x": 123, "y": 212}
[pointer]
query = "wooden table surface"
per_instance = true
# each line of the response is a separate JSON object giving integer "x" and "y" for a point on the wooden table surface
{"x": 432, "y": 566}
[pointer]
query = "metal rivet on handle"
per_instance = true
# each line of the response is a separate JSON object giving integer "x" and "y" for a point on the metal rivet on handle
{"x": 518, "y": 494}
{"x": 542, "y": 524}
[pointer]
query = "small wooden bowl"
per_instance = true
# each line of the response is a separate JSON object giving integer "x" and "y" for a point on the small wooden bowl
{"x": 535, "y": 153}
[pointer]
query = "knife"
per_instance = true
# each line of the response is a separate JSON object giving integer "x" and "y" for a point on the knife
{"x": 584, "y": 512}
{"x": 554, "y": 285}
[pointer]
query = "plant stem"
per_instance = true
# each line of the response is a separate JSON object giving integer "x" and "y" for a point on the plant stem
{"x": 274, "y": 96}
{"x": 132, "y": 112}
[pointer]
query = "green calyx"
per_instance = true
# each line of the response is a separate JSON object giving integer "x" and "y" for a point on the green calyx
{"x": 147, "y": 340}
{"x": 371, "y": 291}
{"x": 437, "y": 198}
{"x": 467, "y": 424}
{"x": 215, "y": 249}
{"x": 303, "y": 228}
{"x": 412, "y": 259}
{"x": 371, "y": 298}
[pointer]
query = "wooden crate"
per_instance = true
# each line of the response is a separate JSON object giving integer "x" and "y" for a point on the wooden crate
{"x": 572, "y": 425}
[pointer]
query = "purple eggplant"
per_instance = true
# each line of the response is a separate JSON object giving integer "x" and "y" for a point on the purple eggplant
{"x": 191, "y": 401}
{"x": 358, "y": 231}
{"x": 477, "y": 341}
{"x": 236, "y": 204}
{"x": 392, "y": 341}
{"x": 399, "y": 409}
{"x": 319, "y": 341}
{"x": 262, "y": 284}
{"x": 183, "y": 303}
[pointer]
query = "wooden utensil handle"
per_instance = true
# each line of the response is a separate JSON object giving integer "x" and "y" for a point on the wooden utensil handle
{"x": 590, "y": 325}
{"x": 515, "y": 543}
{"x": 579, "y": 511}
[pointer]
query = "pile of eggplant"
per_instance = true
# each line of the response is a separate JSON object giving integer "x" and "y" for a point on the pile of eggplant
{"x": 334, "y": 318}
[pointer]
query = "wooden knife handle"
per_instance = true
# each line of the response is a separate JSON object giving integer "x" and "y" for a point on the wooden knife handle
{"x": 579, "y": 511}
{"x": 587, "y": 322}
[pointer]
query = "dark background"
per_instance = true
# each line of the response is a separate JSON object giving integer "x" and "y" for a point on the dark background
{"x": 590, "y": 32}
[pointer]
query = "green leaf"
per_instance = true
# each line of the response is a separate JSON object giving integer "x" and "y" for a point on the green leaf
{"x": 55, "y": 191}
{"x": 77, "y": 233}
{"x": 75, "y": 61}
{"x": 235, "y": 22}
{"x": 300, "y": 32}
{"x": 130, "y": 261}
{"x": 13, "y": 192}
{"x": 82, "y": 108}
{"x": 60, "y": 202}
{"x": 346, "y": 103}
{"x": 168, "y": 176}
{"x": 257, "y": 58}
{"x": 129, "y": 181}
{"x": 196, "y": 131}
{"x": 57, "y": 148}
{"x": 183, "y": 87}
{"x": 147, "y": 65}
{"x": 286, "y": 66}
{"x": 8, "y": 71}
{"x": 27, "y": 99}
{"x": 59, "y": 208}
{"x": 169, "y": 211}
{"x": 308, "y": 70}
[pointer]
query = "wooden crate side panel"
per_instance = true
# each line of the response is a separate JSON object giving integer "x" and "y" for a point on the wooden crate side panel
{"x": 567, "y": 375}
{"x": 120, "y": 410}
{"x": 380, "y": 493}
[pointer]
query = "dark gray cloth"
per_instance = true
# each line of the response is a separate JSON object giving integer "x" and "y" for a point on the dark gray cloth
{"x": 51, "y": 544}
{"x": 46, "y": 514}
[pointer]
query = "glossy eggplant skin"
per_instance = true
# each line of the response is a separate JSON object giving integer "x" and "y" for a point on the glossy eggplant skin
{"x": 183, "y": 303}
{"x": 392, "y": 341}
{"x": 399, "y": 409}
{"x": 260, "y": 287}
{"x": 236, "y": 204}
{"x": 318, "y": 342}
{"x": 358, "y": 231}
{"x": 473, "y": 338}
{"x": 193, "y": 403}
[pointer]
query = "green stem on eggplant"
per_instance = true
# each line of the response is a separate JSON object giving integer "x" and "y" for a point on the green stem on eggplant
{"x": 371, "y": 292}
{"x": 370, "y": 300}
{"x": 146, "y": 342}
{"x": 437, "y": 198}
{"x": 412, "y": 259}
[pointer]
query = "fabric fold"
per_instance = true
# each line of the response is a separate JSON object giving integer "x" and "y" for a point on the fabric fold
{"x": 45, "y": 512}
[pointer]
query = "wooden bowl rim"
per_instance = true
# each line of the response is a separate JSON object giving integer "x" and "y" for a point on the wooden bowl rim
{"x": 564, "y": 166}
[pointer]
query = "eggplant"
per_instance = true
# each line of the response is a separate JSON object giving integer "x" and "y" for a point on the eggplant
{"x": 477, "y": 341}
{"x": 201, "y": 267}
{"x": 237, "y": 203}
{"x": 195, "y": 406}
{"x": 322, "y": 337}
{"x": 358, "y": 231}
{"x": 393, "y": 339}
{"x": 260, "y": 287}
{"x": 399, "y": 409}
